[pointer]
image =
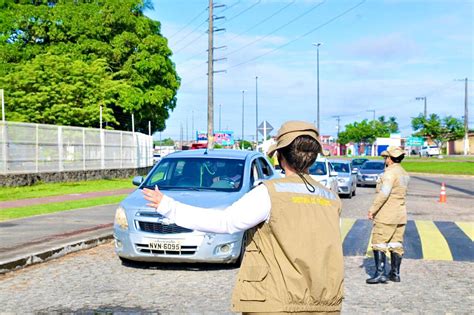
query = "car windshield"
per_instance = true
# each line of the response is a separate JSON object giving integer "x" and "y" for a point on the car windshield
{"x": 318, "y": 168}
{"x": 197, "y": 174}
{"x": 341, "y": 167}
{"x": 373, "y": 166}
{"x": 357, "y": 162}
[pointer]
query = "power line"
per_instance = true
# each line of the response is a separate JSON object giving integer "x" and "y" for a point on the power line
{"x": 191, "y": 42}
{"x": 191, "y": 32}
{"x": 304, "y": 35}
{"x": 189, "y": 23}
{"x": 277, "y": 29}
{"x": 243, "y": 11}
{"x": 263, "y": 21}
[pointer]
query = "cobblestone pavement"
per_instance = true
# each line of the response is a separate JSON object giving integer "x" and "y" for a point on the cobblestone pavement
{"x": 94, "y": 280}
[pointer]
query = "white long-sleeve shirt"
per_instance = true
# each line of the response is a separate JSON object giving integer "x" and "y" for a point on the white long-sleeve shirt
{"x": 251, "y": 209}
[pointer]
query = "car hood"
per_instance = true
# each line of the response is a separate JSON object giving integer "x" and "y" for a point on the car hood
{"x": 345, "y": 175}
{"x": 204, "y": 199}
{"x": 370, "y": 172}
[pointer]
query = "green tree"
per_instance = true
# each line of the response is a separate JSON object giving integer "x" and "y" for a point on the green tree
{"x": 437, "y": 129}
{"x": 365, "y": 132}
{"x": 61, "y": 60}
{"x": 164, "y": 142}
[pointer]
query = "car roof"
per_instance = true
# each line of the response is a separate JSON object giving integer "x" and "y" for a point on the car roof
{"x": 219, "y": 153}
{"x": 375, "y": 161}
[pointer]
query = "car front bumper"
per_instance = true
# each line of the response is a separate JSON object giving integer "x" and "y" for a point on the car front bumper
{"x": 195, "y": 247}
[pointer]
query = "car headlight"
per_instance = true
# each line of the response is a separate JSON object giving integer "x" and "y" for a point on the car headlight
{"x": 121, "y": 218}
{"x": 323, "y": 182}
{"x": 342, "y": 180}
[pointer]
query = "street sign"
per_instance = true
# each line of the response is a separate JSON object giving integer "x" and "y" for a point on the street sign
{"x": 414, "y": 141}
{"x": 265, "y": 128}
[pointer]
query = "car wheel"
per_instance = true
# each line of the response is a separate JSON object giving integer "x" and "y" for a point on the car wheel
{"x": 354, "y": 192}
{"x": 239, "y": 260}
{"x": 349, "y": 196}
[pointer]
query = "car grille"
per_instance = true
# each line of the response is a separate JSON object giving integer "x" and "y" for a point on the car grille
{"x": 185, "y": 250}
{"x": 155, "y": 227}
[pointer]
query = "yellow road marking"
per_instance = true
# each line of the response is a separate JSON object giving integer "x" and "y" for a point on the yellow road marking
{"x": 467, "y": 227}
{"x": 433, "y": 244}
{"x": 346, "y": 225}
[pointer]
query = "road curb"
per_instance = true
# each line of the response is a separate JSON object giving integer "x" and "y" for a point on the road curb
{"x": 20, "y": 262}
{"x": 442, "y": 175}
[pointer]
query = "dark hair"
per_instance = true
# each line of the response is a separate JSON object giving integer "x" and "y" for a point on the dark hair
{"x": 301, "y": 153}
{"x": 397, "y": 159}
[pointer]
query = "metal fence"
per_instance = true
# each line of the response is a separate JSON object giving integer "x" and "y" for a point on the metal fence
{"x": 35, "y": 148}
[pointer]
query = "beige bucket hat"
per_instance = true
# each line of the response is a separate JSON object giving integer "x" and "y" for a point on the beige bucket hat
{"x": 289, "y": 131}
{"x": 393, "y": 151}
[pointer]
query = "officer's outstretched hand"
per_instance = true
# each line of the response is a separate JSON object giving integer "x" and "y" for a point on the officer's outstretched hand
{"x": 154, "y": 196}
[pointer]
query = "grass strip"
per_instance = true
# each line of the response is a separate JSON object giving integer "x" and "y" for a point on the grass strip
{"x": 29, "y": 211}
{"x": 56, "y": 189}
{"x": 454, "y": 168}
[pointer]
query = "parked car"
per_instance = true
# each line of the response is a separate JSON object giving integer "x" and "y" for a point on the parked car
{"x": 323, "y": 172}
{"x": 429, "y": 150}
{"x": 369, "y": 173}
{"x": 357, "y": 163}
{"x": 346, "y": 177}
{"x": 211, "y": 179}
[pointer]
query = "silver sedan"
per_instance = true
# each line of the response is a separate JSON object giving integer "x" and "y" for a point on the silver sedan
{"x": 370, "y": 172}
{"x": 346, "y": 178}
{"x": 211, "y": 179}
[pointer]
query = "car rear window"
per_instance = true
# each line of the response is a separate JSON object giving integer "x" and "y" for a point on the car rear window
{"x": 197, "y": 174}
{"x": 318, "y": 168}
{"x": 341, "y": 167}
{"x": 373, "y": 166}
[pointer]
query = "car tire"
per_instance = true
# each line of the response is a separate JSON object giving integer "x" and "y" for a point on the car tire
{"x": 239, "y": 260}
{"x": 349, "y": 196}
{"x": 354, "y": 192}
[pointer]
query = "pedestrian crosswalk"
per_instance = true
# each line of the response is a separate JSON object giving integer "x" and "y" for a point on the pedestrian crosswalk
{"x": 431, "y": 240}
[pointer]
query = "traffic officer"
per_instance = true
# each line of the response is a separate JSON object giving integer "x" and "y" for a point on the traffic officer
{"x": 388, "y": 211}
{"x": 293, "y": 261}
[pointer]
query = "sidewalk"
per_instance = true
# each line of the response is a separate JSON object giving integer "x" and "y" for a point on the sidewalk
{"x": 35, "y": 239}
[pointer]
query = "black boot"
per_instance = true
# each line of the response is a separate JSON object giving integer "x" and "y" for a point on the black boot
{"x": 395, "y": 261}
{"x": 379, "y": 276}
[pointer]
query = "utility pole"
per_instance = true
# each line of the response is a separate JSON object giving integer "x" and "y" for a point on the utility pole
{"x": 466, "y": 120}
{"x": 193, "y": 135}
{"x": 256, "y": 114}
{"x": 423, "y": 98}
{"x": 187, "y": 132}
{"x": 243, "y": 111}
{"x": 210, "y": 72}
{"x": 338, "y": 118}
{"x": 317, "y": 84}
{"x": 210, "y": 79}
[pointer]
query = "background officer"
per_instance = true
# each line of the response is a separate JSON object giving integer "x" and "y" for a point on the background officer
{"x": 389, "y": 214}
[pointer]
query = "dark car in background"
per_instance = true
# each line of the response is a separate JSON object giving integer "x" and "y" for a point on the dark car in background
{"x": 357, "y": 163}
{"x": 370, "y": 172}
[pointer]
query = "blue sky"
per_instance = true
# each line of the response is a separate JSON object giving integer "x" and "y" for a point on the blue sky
{"x": 378, "y": 56}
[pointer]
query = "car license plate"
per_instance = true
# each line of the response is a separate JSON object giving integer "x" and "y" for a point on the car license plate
{"x": 165, "y": 245}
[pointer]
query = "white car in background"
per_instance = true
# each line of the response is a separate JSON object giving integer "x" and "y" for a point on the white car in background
{"x": 323, "y": 172}
{"x": 429, "y": 150}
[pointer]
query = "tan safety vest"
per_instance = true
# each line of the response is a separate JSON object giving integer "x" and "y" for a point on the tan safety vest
{"x": 389, "y": 206}
{"x": 293, "y": 263}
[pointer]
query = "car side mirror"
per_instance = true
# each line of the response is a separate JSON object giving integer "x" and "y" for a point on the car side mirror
{"x": 333, "y": 174}
{"x": 137, "y": 180}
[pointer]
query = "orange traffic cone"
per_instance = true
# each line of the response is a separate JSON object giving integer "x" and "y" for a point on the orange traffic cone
{"x": 442, "y": 194}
